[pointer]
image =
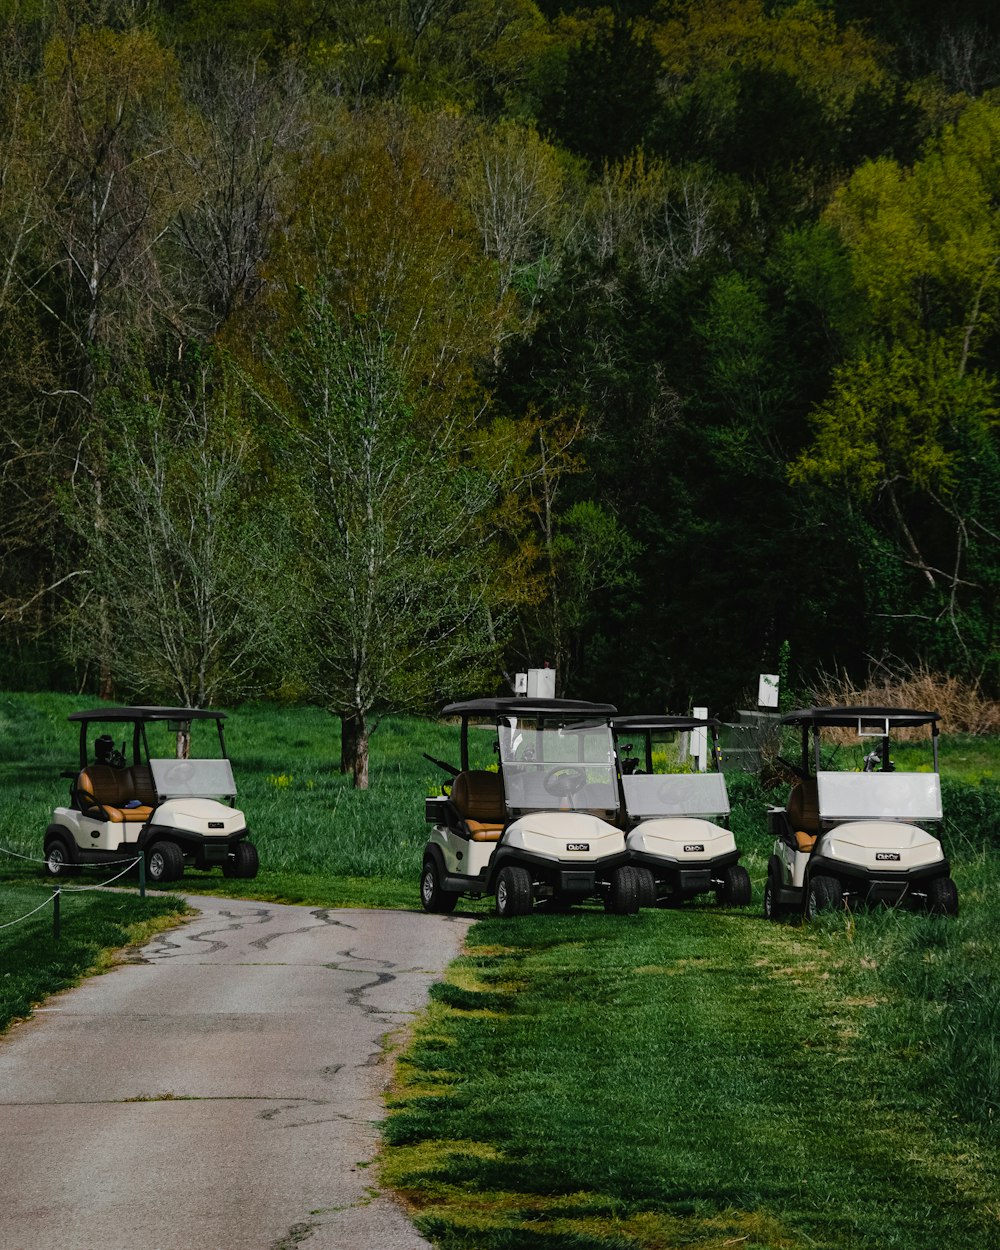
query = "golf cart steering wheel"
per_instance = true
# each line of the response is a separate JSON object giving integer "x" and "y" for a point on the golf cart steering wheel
{"x": 666, "y": 794}
{"x": 564, "y": 780}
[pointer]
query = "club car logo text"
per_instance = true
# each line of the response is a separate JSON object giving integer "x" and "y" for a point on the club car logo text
{"x": 694, "y": 846}
{"x": 887, "y": 855}
{"x": 577, "y": 846}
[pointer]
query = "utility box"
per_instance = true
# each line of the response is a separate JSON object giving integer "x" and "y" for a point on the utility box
{"x": 541, "y": 683}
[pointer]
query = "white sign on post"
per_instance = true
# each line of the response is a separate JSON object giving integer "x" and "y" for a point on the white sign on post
{"x": 520, "y": 683}
{"x": 767, "y": 690}
{"x": 541, "y": 683}
{"x": 699, "y": 738}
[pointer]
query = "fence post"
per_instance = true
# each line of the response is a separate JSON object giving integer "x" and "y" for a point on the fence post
{"x": 56, "y": 927}
{"x": 142, "y": 875}
{"x": 699, "y": 739}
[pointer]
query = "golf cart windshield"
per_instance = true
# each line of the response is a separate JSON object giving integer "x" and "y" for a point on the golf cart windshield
{"x": 879, "y": 796}
{"x": 203, "y": 779}
{"x": 566, "y": 766}
{"x": 675, "y": 794}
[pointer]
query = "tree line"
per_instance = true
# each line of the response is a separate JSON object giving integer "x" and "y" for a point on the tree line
{"x": 369, "y": 353}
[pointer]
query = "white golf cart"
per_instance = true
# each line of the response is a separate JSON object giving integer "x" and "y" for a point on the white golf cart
{"x": 678, "y": 823}
{"x": 845, "y": 838}
{"x": 541, "y": 829}
{"x": 170, "y": 809}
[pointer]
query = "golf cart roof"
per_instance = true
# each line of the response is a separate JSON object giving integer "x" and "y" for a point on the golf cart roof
{"x": 849, "y": 717}
{"x": 521, "y": 706}
{"x": 664, "y": 723}
{"x": 147, "y": 713}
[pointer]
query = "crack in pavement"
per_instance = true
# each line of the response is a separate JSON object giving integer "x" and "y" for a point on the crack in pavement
{"x": 214, "y": 984}
{"x": 168, "y": 1097}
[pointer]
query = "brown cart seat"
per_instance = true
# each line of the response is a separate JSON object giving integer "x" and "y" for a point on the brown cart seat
{"x": 102, "y": 787}
{"x": 478, "y": 796}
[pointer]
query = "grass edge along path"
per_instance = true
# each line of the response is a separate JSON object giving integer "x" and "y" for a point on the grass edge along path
{"x": 97, "y": 932}
{"x": 697, "y": 1078}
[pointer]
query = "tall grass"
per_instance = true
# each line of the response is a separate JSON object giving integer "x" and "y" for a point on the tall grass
{"x": 938, "y": 989}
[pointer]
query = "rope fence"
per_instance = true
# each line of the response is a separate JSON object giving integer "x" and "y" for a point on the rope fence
{"x": 33, "y": 859}
{"x": 59, "y": 890}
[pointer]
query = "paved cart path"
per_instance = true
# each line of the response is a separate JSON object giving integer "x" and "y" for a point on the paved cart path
{"x": 222, "y": 1092}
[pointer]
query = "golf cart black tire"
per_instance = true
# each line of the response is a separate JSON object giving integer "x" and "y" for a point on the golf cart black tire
{"x": 433, "y": 898}
{"x": 245, "y": 862}
{"x": 514, "y": 892}
{"x": 626, "y": 890}
{"x": 164, "y": 862}
{"x": 824, "y": 894}
{"x": 735, "y": 890}
{"x": 647, "y": 888}
{"x": 772, "y": 891}
{"x": 942, "y": 897}
{"x": 65, "y": 857}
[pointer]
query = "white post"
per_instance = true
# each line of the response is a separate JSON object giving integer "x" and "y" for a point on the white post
{"x": 699, "y": 738}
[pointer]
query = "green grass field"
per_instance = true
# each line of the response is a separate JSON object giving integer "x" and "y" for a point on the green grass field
{"x": 319, "y": 840}
{"x": 705, "y": 1078}
{"x": 692, "y": 1077}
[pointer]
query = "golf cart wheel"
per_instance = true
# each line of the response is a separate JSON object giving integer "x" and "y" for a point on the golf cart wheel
{"x": 164, "y": 862}
{"x": 432, "y": 897}
{"x": 60, "y": 860}
{"x": 735, "y": 889}
{"x": 772, "y": 906}
{"x": 825, "y": 893}
{"x": 514, "y": 892}
{"x": 647, "y": 888}
{"x": 626, "y": 891}
{"x": 942, "y": 897}
{"x": 244, "y": 863}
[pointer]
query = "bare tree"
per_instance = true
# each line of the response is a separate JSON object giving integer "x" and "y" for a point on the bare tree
{"x": 515, "y": 187}
{"x": 106, "y": 101}
{"x": 242, "y": 122}
{"x": 663, "y": 219}
{"x": 183, "y": 561}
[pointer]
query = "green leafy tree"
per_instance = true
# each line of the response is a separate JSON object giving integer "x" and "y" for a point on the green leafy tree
{"x": 909, "y": 425}
{"x": 382, "y": 225}
{"x": 390, "y": 570}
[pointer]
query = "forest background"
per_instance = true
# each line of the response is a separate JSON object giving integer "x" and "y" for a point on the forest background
{"x": 364, "y": 353}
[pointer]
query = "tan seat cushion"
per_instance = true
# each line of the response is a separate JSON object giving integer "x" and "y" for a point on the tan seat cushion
{"x": 804, "y": 841}
{"x": 483, "y": 833}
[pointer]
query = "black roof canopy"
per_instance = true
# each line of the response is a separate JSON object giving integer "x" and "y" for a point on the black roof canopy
{"x": 146, "y": 713}
{"x": 849, "y": 717}
{"x": 662, "y": 723}
{"x": 515, "y": 705}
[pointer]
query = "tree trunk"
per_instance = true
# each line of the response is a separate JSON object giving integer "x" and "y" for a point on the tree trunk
{"x": 354, "y": 747}
{"x": 347, "y": 740}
